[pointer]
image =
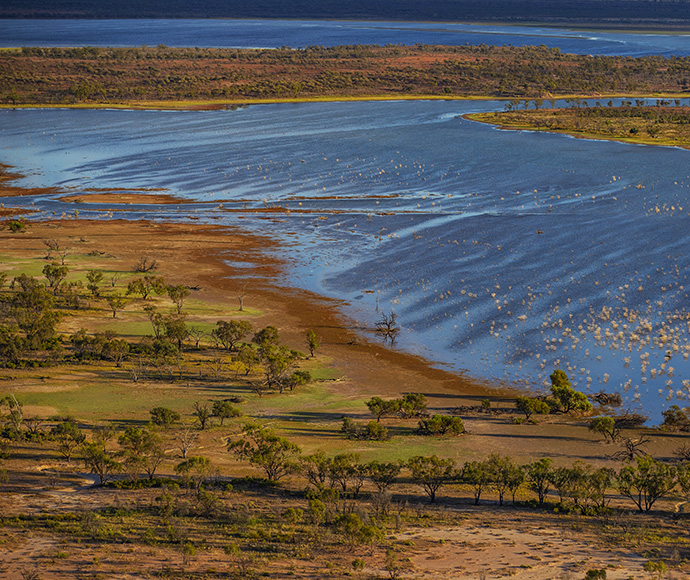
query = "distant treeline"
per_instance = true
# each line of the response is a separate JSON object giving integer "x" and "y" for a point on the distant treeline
{"x": 149, "y": 74}
{"x": 595, "y": 11}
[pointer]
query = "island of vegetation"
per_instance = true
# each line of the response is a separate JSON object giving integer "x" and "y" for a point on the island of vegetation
{"x": 664, "y": 123}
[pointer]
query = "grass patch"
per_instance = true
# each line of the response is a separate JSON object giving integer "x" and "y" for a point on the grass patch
{"x": 114, "y": 400}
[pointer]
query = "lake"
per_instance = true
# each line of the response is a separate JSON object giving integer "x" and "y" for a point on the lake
{"x": 505, "y": 254}
{"x": 301, "y": 33}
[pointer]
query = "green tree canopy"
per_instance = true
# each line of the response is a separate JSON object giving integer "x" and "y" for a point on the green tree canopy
{"x": 94, "y": 278}
{"x": 383, "y": 474}
{"x": 565, "y": 398}
{"x": 147, "y": 285}
{"x": 380, "y": 408}
{"x": 531, "y": 405}
{"x": 99, "y": 461}
{"x": 32, "y": 310}
{"x": 55, "y": 274}
{"x": 431, "y": 473}
{"x": 606, "y": 427}
{"x": 225, "y": 410}
{"x": 195, "y": 470}
{"x": 264, "y": 449}
{"x": 178, "y": 294}
{"x": 142, "y": 449}
{"x": 476, "y": 474}
{"x": 645, "y": 481}
{"x": 163, "y": 417}
{"x": 313, "y": 342}
{"x": 68, "y": 436}
{"x": 539, "y": 477}
{"x": 230, "y": 333}
{"x": 441, "y": 425}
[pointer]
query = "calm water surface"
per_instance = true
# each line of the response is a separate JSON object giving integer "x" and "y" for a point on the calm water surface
{"x": 301, "y": 33}
{"x": 504, "y": 253}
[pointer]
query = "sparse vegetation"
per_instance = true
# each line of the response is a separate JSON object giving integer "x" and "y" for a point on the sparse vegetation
{"x": 39, "y": 75}
{"x": 158, "y": 450}
{"x": 663, "y": 123}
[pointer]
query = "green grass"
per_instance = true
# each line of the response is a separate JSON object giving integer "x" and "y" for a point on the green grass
{"x": 193, "y": 104}
{"x": 315, "y": 397}
{"x": 129, "y": 328}
{"x": 311, "y": 415}
{"x": 196, "y": 307}
{"x": 627, "y": 125}
{"x": 120, "y": 400}
{"x": 14, "y": 267}
{"x": 322, "y": 373}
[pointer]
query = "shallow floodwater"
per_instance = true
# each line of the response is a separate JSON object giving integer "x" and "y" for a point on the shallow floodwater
{"x": 302, "y": 33}
{"x": 504, "y": 253}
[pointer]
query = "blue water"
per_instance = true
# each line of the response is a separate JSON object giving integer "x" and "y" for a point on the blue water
{"x": 301, "y": 33}
{"x": 505, "y": 254}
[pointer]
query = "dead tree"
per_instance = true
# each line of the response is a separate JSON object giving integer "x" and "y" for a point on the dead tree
{"x": 145, "y": 264}
{"x": 632, "y": 448}
{"x": 387, "y": 326}
{"x": 240, "y": 294}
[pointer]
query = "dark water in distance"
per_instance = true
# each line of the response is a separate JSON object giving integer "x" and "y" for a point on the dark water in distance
{"x": 505, "y": 253}
{"x": 301, "y": 33}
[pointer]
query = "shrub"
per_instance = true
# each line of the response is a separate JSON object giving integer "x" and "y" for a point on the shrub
{"x": 441, "y": 425}
{"x": 349, "y": 428}
{"x": 605, "y": 426}
{"x": 372, "y": 431}
{"x": 163, "y": 417}
{"x": 16, "y": 226}
{"x": 630, "y": 421}
{"x": 676, "y": 418}
{"x": 412, "y": 405}
{"x": 531, "y": 405}
{"x": 565, "y": 398}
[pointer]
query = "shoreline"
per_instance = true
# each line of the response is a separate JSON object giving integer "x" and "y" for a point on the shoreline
{"x": 361, "y": 358}
{"x": 210, "y": 105}
{"x": 221, "y": 105}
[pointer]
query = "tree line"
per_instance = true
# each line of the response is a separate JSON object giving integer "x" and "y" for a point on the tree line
{"x": 142, "y": 450}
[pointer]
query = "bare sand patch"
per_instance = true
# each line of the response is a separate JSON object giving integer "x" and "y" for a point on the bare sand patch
{"x": 501, "y": 552}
